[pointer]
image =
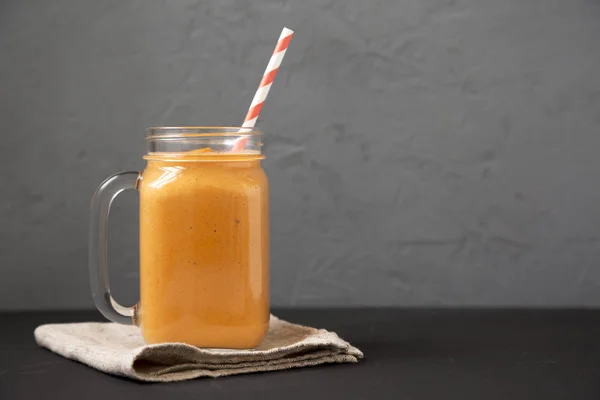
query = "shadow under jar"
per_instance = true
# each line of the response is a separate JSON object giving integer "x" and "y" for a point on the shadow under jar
{"x": 204, "y": 239}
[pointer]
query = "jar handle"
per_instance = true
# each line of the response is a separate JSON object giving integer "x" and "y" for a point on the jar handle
{"x": 98, "y": 244}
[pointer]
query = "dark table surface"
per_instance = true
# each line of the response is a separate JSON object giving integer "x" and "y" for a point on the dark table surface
{"x": 409, "y": 354}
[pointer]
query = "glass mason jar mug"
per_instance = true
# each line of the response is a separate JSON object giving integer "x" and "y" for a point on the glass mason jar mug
{"x": 204, "y": 239}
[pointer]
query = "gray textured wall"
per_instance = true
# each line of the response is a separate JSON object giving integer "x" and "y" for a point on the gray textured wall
{"x": 420, "y": 152}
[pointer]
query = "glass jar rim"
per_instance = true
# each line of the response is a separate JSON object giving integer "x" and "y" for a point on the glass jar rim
{"x": 159, "y": 132}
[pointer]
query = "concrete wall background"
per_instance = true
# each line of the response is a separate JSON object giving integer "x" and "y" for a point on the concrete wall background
{"x": 421, "y": 153}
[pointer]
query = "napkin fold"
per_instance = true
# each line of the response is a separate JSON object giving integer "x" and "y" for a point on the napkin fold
{"x": 120, "y": 350}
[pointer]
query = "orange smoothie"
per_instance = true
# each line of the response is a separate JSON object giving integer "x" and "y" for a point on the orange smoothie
{"x": 204, "y": 249}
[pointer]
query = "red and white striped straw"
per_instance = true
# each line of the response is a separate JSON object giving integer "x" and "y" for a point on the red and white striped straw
{"x": 265, "y": 83}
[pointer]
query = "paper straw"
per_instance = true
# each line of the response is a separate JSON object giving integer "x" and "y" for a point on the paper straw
{"x": 265, "y": 84}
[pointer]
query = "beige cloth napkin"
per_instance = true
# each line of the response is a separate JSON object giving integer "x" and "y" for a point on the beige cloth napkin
{"x": 120, "y": 350}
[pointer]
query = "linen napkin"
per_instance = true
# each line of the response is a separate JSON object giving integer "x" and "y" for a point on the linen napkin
{"x": 120, "y": 350}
